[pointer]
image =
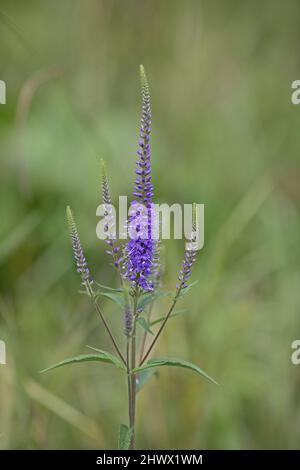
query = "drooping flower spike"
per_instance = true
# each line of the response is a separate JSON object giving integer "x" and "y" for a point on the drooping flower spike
{"x": 139, "y": 251}
{"x": 81, "y": 264}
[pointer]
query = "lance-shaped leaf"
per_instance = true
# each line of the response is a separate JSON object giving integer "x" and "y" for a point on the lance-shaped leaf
{"x": 187, "y": 289}
{"x": 115, "y": 289}
{"x": 113, "y": 359}
{"x": 161, "y": 319}
{"x": 145, "y": 325}
{"x": 168, "y": 361}
{"x": 148, "y": 298}
{"x": 116, "y": 297}
{"x": 102, "y": 356}
{"x": 143, "y": 377}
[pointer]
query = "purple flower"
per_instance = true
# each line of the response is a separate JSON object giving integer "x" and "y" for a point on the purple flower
{"x": 81, "y": 264}
{"x": 140, "y": 248}
{"x": 139, "y": 263}
{"x": 185, "y": 272}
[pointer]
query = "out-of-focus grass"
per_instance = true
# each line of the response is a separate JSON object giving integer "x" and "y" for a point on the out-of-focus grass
{"x": 225, "y": 134}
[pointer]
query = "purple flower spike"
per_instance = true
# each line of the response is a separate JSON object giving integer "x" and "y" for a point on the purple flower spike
{"x": 128, "y": 319}
{"x": 185, "y": 272}
{"x": 110, "y": 226}
{"x": 143, "y": 189}
{"x": 139, "y": 255}
{"x": 81, "y": 264}
{"x": 140, "y": 249}
{"x": 190, "y": 255}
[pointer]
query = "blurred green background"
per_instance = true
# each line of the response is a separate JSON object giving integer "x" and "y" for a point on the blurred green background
{"x": 224, "y": 134}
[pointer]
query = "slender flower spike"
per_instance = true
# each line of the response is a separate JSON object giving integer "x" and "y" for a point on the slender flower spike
{"x": 105, "y": 185}
{"x": 185, "y": 272}
{"x": 128, "y": 321}
{"x": 190, "y": 256}
{"x": 110, "y": 226}
{"x": 158, "y": 265}
{"x": 139, "y": 251}
{"x": 143, "y": 189}
{"x": 81, "y": 264}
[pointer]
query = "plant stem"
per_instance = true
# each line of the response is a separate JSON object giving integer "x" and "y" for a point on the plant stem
{"x": 90, "y": 291}
{"x": 129, "y": 383}
{"x": 162, "y": 327}
{"x": 133, "y": 376}
{"x": 133, "y": 386}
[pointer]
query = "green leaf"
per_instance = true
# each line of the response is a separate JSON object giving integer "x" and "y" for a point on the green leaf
{"x": 187, "y": 289}
{"x": 144, "y": 324}
{"x": 125, "y": 434}
{"x": 103, "y": 357}
{"x": 113, "y": 359}
{"x": 146, "y": 299}
{"x": 116, "y": 297}
{"x": 166, "y": 361}
{"x": 159, "y": 320}
{"x": 109, "y": 288}
{"x": 143, "y": 377}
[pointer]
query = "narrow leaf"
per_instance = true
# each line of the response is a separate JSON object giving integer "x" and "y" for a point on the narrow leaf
{"x": 86, "y": 358}
{"x": 143, "y": 377}
{"x": 144, "y": 324}
{"x": 187, "y": 289}
{"x": 125, "y": 434}
{"x": 114, "y": 360}
{"x": 166, "y": 361}
{"x": 114, "y": 289}
{"x": 116, "y": 297}
{"x": 175, "y": 314}
{"x": 146, "y": 299}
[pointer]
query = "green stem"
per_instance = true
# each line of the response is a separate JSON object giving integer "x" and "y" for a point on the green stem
{"x": 133, "y": 386}
{"x": 133, "y": 376}
{"x": 129, "y": 384}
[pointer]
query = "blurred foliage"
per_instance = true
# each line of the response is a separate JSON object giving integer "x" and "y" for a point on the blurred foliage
{"x": 224, "y": 133}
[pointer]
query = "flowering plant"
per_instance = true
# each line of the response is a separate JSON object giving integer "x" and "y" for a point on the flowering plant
{"x": 139, "y": 268}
